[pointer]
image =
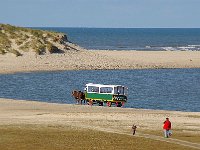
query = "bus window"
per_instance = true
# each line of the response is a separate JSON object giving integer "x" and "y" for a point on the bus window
{"x": 93, "y": 89}
{"x": 106, "y": 90}
{"x": 119, "y": 90}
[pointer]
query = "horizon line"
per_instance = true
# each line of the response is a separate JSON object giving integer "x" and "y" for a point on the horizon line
{"x": 115, "y": 27}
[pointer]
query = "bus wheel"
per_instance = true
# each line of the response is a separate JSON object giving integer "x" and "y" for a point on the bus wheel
{"x": 109, "y": 104}
{"x": 100, "y": 103}
{"x": 119, "y": 104}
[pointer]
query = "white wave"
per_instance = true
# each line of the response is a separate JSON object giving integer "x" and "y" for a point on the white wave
{"x": 194, "y": 45}
{"x": 187, "y": 47}
{"x": 176, "y": 48}
{"x": 169, "y": 48}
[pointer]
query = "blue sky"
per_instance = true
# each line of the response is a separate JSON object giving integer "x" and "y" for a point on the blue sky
{"x": 101, "y": 13}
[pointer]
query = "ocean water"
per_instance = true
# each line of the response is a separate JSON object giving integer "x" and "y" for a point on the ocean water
{"x": 164, "y": 89}
{"x": 182, "y": 39}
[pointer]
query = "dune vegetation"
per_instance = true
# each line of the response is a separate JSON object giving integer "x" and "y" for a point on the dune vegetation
{"x": 18, "y": 40}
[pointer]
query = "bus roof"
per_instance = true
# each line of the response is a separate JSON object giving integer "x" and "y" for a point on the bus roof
{"x": 102, "y": 85}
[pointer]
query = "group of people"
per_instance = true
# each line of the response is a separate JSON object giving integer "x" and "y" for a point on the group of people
{"x": 166, "y": 128}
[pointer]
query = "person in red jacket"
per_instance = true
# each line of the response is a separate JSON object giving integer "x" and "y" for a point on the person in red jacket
{"x": 167, "y": 127}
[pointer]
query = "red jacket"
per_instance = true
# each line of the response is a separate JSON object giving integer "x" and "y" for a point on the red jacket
{"x": 167, "y": 125}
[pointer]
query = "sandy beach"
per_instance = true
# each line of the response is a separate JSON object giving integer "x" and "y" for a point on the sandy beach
{"x": 30, "y": 115}
{"x": 85, "y": 116}
{"x": 99, "y": 75}
{"x": 106, "y": 119}
{"x": 99, "y": 59}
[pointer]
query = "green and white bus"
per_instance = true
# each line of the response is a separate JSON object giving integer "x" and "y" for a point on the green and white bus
{"x": 110, "y": 94}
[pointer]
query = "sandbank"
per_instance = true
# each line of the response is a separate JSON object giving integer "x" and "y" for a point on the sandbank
{"x": 99, "y": 59}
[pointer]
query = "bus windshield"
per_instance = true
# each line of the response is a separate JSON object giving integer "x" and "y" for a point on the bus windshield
{"x": 119, "y": 90}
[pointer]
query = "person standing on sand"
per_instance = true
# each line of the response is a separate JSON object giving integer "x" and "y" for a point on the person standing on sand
{"x": 166, "y": 127}
{"x": 134, "y": 129}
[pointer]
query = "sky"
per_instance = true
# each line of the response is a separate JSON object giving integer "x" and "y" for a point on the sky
{"x": 101, "y": 13}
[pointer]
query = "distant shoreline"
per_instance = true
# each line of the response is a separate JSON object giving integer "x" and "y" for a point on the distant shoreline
{"x": 99, "y": 60}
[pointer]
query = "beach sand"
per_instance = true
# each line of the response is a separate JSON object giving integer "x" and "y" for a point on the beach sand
{"x": 32, "y": 112}
{"x": 113, "y": 120}
{"x": 99, "y": 59}
{"x": 106, "y": 119}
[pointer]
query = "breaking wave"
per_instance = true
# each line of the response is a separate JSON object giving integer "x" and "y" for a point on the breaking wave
{"x": 174, "y": 48}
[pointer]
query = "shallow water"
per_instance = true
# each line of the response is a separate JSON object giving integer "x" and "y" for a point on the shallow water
{"x": 165, "y": 89}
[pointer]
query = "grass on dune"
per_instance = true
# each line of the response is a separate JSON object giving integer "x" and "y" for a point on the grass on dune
{"x": 61, "y": 138}
{"x": 27, "y": 39}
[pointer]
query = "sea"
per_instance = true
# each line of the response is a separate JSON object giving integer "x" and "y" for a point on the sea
{"x": 148, "y": 39}
{"x": 162, "y": 89}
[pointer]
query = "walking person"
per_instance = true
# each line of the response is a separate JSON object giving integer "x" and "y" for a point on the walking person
{"x": 134, "y": 129}
{"x": 167, "y": 128}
